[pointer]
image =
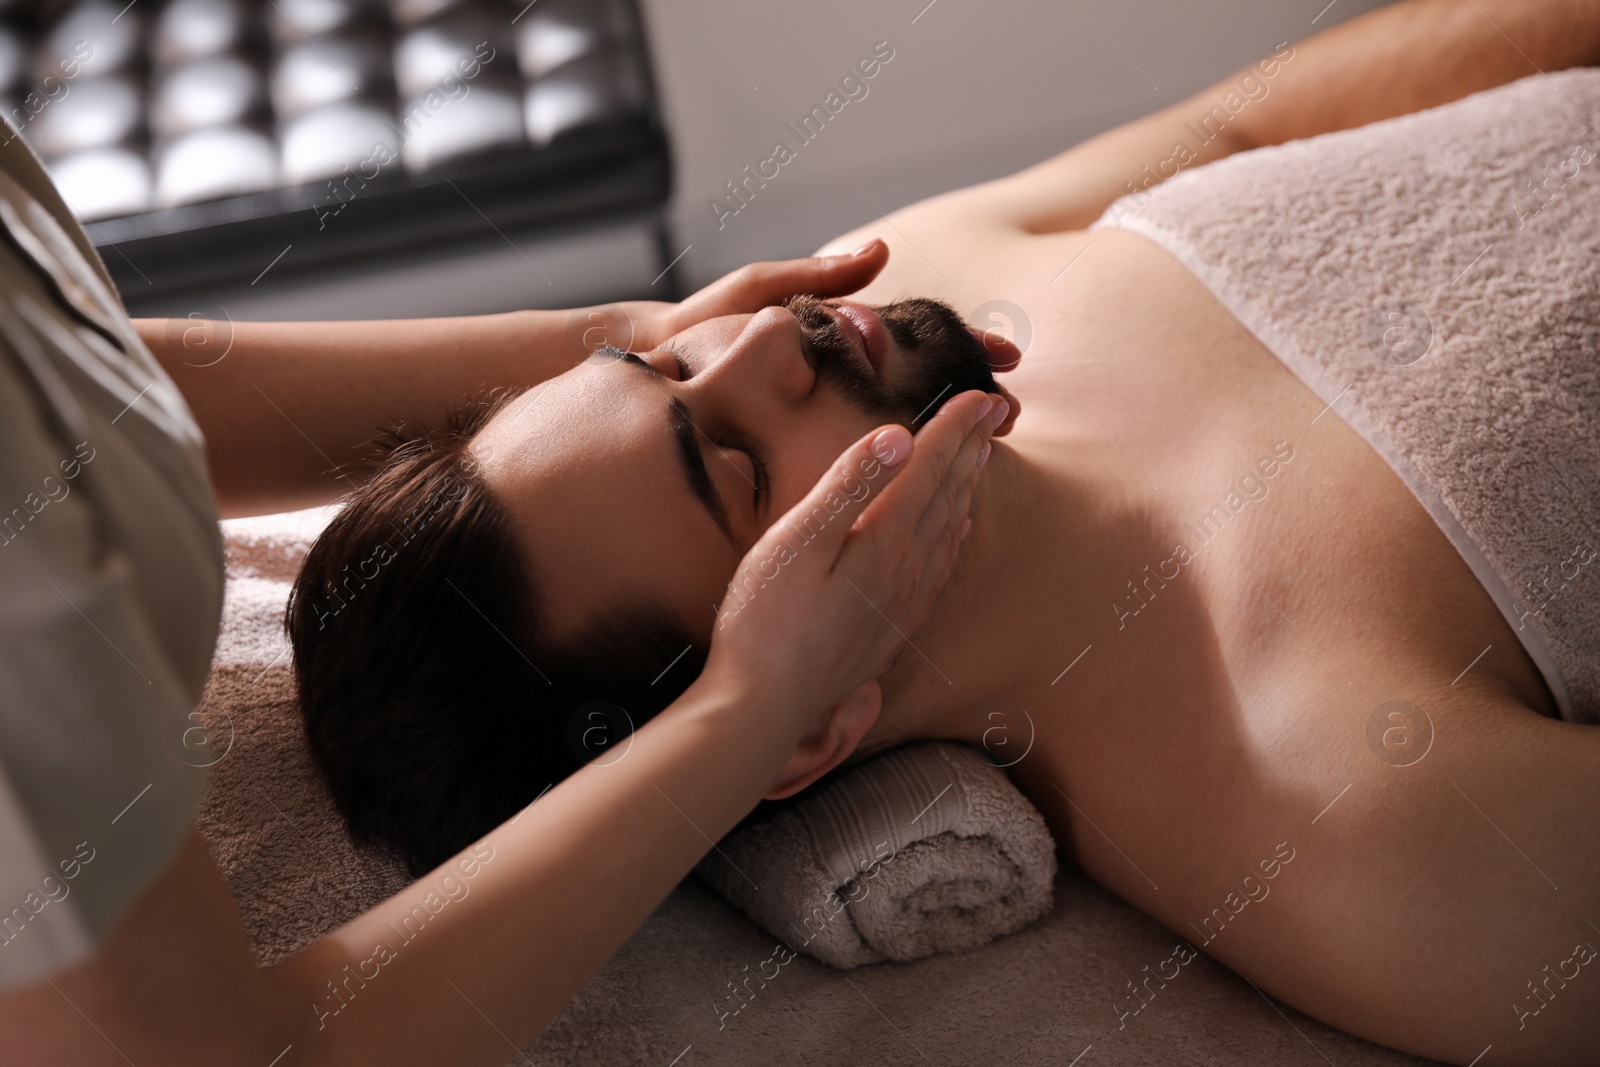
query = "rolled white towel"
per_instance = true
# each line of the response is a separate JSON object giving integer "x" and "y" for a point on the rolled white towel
{"x": 926, "y": 849}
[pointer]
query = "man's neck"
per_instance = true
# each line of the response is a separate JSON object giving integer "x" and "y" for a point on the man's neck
{"x": 1033, "y": 589}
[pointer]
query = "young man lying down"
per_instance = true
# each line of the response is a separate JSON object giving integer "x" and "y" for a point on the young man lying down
{"x": 1229, "y": 633}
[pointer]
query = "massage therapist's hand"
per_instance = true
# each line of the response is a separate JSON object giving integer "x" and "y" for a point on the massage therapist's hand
{"x": 822, "y": 603}
{"x": 640, "y": 325}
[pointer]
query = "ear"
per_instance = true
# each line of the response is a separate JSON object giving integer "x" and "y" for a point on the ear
{"x": 832, "y": 737}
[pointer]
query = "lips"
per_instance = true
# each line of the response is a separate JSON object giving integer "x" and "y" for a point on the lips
{"x": 868, "y": 330}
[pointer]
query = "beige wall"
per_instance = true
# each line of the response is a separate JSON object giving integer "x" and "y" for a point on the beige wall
{"x": 976, "y": 88}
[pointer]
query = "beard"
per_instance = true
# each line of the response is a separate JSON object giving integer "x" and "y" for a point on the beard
{"x": 943, "y": 358}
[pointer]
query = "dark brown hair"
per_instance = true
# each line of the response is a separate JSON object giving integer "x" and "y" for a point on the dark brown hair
{"x": 432, "y": 706}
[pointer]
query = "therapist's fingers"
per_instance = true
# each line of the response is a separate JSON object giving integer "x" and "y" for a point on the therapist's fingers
{"x": 869, "y": 504}
{"x": 940, "y": 563}
{"x": 1001, "y": 351}
{"x": 948, "y": 505}
{"x": 1013, "y": 409}
{"x": 758, "y": 285}
{"x": 923, "y": 496}
{"x": 861, "y": 474}
{"x": 807, "y": 607}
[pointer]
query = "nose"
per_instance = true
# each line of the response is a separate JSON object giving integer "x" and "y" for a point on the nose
{"x": 768, "y": 360}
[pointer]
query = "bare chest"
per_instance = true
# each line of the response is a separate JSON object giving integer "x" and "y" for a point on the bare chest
{"x": 1289, "y": 593}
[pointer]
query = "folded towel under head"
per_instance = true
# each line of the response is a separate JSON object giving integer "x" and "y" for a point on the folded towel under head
{"x": 928, "y": 848}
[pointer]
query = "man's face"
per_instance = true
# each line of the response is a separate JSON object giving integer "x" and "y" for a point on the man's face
{"x": 644, "y": 479}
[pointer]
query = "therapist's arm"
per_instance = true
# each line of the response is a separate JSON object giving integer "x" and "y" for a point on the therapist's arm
{"x": 1392, "y": 61}
{"x": 287, "y": 409}
{"x": 788, "y": 690}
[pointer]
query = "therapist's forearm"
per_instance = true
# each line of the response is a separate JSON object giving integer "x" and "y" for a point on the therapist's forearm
{"x": 478, "y": 955}
{"x": 283, "y": 405}
{"x": 568, "y": 880}
{"x": 468, "y": 965}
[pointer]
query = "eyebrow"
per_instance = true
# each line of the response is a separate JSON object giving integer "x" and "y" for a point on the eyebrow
{"x": 687, "y": 438}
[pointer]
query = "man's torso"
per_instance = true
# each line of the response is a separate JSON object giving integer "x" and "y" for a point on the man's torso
{"x": 1320, "y": 636}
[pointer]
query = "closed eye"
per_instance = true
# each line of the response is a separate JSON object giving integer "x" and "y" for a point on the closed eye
{"x": 684, "y": 373}
{"x": 758, "y": 461}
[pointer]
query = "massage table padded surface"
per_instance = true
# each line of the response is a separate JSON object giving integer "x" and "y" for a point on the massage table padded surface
{"x": 1043, "y": 996}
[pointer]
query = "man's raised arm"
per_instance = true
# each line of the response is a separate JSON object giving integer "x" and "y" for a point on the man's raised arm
{"x": 1403, "y": 58}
